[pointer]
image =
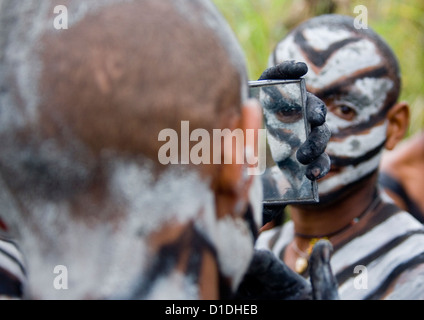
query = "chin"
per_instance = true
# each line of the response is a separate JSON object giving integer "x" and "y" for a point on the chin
{"x": 337, "y": 194}
{"x": 331, "y": 197}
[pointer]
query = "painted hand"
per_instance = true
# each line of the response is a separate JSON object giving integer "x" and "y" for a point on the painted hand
{"x": 324, "y": 283}
{"x": 269, "y": 278}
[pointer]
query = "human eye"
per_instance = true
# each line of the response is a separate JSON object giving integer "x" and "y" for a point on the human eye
{"x": 283, "y": 108}
{"x": 289, "y": 113}
{"x": 343, "y": 110}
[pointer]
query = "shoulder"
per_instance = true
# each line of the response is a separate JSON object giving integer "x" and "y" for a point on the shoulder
{"x": 12, "y": 270}
{"x": 386, "y": 251}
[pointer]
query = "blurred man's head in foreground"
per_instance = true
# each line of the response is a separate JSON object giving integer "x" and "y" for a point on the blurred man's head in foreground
{"x": 80, "y": 181}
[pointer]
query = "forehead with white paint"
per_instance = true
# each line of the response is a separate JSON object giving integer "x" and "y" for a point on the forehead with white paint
{"x": 331, "y": 54}
{"x": 349, "y": 70}
{"x": 327, "y": 36}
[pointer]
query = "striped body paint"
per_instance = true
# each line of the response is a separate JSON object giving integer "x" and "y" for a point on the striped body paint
{"x": 348, "y": 72}
{"x": 385, "y": 251}
{"x": 12, "y": 269}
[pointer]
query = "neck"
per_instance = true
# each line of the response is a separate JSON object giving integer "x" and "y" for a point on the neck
{"x": 333, "y": 218}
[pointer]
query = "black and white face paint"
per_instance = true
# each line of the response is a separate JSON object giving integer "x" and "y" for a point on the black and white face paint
{"x": 347, "y": 71}
{"x": 282, "y": 123}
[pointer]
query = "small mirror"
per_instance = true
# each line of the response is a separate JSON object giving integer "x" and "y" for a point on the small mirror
{"x": 284, "y": 108}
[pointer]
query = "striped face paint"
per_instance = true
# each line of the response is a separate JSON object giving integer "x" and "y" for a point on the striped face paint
{"x": 348, "y": 72}
{"x": 282, "y": 122}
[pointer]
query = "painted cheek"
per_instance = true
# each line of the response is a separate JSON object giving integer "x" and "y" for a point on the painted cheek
{"x": 357, "y": 145}
{"x": 347, "y": 176}
{"x": 361, "y": 155}
{"x": 335, "y": 124}
{"x": 353, "y": 158}
{"x": 280, "y": 150}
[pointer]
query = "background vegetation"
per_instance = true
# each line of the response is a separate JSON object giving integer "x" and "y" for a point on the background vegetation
{"x": 261, "y": 24}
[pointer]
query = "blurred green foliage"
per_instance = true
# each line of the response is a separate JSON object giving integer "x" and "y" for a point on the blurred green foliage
{"x": 261, "y": 24}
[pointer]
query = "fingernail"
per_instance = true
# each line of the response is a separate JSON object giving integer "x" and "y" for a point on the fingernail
{"x": 316, "y": 172}
{"x": 326, "y": 254}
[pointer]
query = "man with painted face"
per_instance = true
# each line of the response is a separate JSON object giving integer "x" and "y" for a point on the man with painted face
{"x": 94, "y": 210}
{"x": 379, "y": 249}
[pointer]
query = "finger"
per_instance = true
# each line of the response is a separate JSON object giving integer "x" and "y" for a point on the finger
{"x": 316, "y": 111}
{"x": 318, "y": 168}
{"x": 314, "y": 145}
{"x": 285, "y": 70}
{"x": 323, "y": 281}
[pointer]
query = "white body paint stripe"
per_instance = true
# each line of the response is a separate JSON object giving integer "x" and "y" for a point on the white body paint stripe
{"x": 262, "y": 243}
{"x": 358, "y": 145}
{"x": 8, "y": 263}
{"x": 280, "y": 150}
{"x": 333, "y": 69}
{"x": 348, "y": 175}
{"x": 380, "y": 235}
{"x": 327, "y": 37}
{"x": 285, "y": 235}
{"x": 380, "y": 269}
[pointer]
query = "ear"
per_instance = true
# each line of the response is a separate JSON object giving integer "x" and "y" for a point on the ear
{"x": 233, "y": 182}
{"x": 398, "y": 117}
